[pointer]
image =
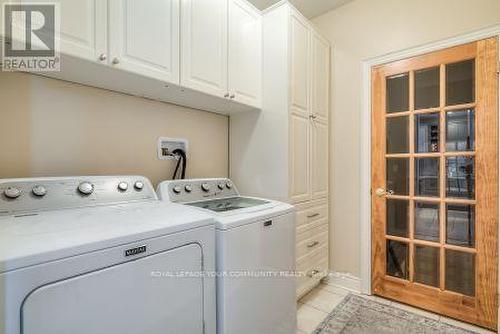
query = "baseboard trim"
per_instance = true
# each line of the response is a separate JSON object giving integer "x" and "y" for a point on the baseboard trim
{"x": 345, "y": 281}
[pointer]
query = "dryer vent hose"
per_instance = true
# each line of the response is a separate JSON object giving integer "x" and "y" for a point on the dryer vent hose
{"x": 181, "y": 158}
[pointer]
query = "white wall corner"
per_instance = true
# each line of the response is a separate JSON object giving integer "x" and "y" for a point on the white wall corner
{"x": 344, "y": 281}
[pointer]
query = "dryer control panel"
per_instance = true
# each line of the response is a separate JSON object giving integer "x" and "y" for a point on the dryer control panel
{"x": 184, "y": 191}
{"x": 23, "y": 196}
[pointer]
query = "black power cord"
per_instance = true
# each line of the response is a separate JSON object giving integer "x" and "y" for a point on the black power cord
{"x": 181, "y": 158}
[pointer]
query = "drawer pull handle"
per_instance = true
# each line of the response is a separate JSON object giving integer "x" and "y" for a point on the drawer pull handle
{"x": 313, "y": 215}
{"x": 313, "y": 244}
{"x": 268, "y": 223}
{"x": 313, "y": 273}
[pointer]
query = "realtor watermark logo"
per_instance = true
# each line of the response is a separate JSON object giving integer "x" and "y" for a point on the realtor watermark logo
{"x": 31, "y": 37}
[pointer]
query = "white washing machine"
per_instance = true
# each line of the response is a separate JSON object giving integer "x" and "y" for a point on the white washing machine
{"x": 255, "y": 255}
{"x": 101, "y": 255}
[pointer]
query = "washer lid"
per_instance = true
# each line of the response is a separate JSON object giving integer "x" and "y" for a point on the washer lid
{"x": 46, "y": 236}
{"x": 258, "y": 210}
{"x": 229, "y": 203}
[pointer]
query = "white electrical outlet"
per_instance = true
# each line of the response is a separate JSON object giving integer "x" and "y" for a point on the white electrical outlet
{"x": 166, "y": 147}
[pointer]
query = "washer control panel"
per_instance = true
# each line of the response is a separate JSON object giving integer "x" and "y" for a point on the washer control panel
{"x": 183, "y": 191}
{"x": 22, "y": 196}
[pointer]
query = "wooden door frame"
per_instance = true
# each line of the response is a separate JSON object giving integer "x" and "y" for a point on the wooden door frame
{"x": 365, "y": 198}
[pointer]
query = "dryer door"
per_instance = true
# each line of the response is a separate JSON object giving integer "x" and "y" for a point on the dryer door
{"x": 133, "y": 297}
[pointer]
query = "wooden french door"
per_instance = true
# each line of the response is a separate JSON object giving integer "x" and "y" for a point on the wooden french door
{"x": 435, "y": 181}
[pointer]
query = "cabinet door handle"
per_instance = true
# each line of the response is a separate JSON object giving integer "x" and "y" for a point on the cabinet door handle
{"x": 232, "y": 96}
{"x": 313, "y": 244}
{"x": 226, "y": 95}
{"x": 116, "y": 61}
{"x": 102, "y": 57}
{"x": 313, "y": 215}
{"x": 313, "y": 273}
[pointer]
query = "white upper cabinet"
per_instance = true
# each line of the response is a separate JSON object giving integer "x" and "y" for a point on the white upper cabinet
{"x": 144, "y": 37}
{"x": 213, "y": 48}
{"x": 320, "y": 76}
{"x": 82, "y": 28}
{"x": 204, "y": 46}
{"x": 245, "y": 48}
{"x": 300, "y": 65}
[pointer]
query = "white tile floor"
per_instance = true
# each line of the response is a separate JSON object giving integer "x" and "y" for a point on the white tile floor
{"x": 315, "y": 306}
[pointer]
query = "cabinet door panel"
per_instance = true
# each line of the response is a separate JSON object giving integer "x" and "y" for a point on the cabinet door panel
{"x": 320, "y": 77}
{"x": 300, "y": 157}
{"x": 319, "y": 161}
{"x": 145, "y": 38}
{"x": 82, "y": 27}
{"x": 245, "y": 40}
{"x": 300, "y": 65}
{"x": 204, "y": 45}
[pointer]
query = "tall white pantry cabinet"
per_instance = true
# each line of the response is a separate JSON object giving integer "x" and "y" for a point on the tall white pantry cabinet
{"x": 281, "y": 152}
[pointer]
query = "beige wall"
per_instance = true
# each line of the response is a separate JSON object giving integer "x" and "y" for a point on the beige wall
{"x": 50, "y": 127}
{"x": 364, "y": 29}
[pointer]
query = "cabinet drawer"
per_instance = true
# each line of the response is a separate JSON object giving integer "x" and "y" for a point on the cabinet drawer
{"x": 322, "y": 226}
{"x": 308, "y": 282}
{"x": 308, "y": 261}
{"x": 313, "y": 270}
{"x": 310, "y": 217}
{"x": 311, "y": 240}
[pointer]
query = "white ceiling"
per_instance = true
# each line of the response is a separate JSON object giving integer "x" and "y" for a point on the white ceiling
{"x": 310, "y": 8}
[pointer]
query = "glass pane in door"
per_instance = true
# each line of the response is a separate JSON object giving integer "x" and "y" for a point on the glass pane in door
{"x": 427, "y": 88}
{"x": 427, "y": 133}
{"x": 460, "y": 82}
{"x": 398, "y": 93}
{"x": 460, "y": 272}
{"x": 427, "y": 177}
{"x": 460, "y": 130}
{"x": 397, "y": 259}
{"x": 427, "y": 265}
{"x": 397, "y": 217}
{"x": 460, "y": 177}
{"x": 427, "y": 221}
{"x": 397, "y": 135}
{"x": 397, "y": 180}
{"x": 460, "y": 225}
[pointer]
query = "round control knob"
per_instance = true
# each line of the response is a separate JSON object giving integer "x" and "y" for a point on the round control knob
{"x": 39, "y": 191}
{"x": 188, "y": 188}
{"x": 86, "y": 188}
{"x": 123, "y": 186}
{"x": 177, "y": 189}
{"x": 229, "y": 185}
{"x": 12, "y": 192}
{"x": 220, "y": 186}
{"x": 138, "y": 185}
{"x": 205, "y": 187}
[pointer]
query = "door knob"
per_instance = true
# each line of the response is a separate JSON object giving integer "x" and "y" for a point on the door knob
{"x": 381, "y": 192}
